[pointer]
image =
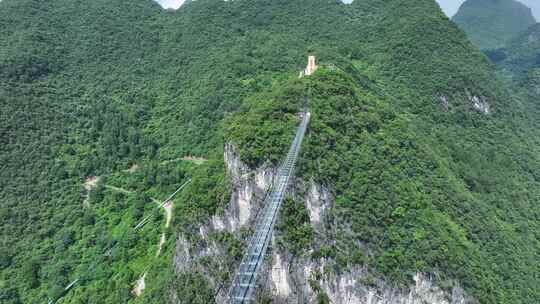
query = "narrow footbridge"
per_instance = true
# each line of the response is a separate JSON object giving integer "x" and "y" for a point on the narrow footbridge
{"x": 243, "y": 285}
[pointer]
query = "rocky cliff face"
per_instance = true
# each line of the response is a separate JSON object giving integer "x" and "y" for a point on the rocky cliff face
{"x": 479, "y": 103}
{"x": 286, "y": 278}
{"x": 193, "y": 253}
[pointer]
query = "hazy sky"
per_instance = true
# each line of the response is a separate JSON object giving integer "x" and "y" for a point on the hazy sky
{"x": 450, "y": 7}
{"x": 174, "y": 4}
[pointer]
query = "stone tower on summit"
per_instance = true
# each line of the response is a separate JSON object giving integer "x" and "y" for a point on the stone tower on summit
{"x": 311, "y": 66}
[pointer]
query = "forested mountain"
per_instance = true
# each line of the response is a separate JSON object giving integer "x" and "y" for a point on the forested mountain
{"x": 491, "y": 23}
{"x": 519, "y": 65}
{"x": 522, "y": 53}
{"x": 433, "y": 162}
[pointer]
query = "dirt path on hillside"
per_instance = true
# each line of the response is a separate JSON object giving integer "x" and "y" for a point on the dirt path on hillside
{"x": 193, "y": 159}
{"x": 140, "y": 286}
{"x": 91, "y": 183}
{"x": 168, "y": 213}
{"x": 117, "y": 189}
{"x": 133, "y": 168}
{"x": 160, "y": 244}
{"x": 168, "y": 208}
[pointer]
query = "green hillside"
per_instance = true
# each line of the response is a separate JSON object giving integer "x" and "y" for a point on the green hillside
{"x": 519, "y": 65}
{"x": 522, "y": 53}
{"x": 490, "y": 23}
{"x": 427, "y": 182}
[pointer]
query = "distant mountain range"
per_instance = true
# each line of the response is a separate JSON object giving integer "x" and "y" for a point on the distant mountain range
{"x": 522, "y": 54}
{"x": 491, "y": 23}
{"x": 450, "y": 7}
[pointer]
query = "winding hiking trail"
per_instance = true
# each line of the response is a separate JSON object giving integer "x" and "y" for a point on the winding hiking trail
{"x": 140, "y": 286}
{"x": 167, "y": 206}
{"x": 193, "y": 159}
{"x": 92, "y": 181}
{"x": 168, "y": 209}
{"x": 117, "y": 189}
{"x": 160, "y": 244}
{"x": 126, "y": 191}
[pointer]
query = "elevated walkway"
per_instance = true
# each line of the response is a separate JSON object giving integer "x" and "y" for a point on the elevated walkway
{"x": 244, "y": 282}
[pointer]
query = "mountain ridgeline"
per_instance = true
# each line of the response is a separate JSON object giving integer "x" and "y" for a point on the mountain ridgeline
{"x": 432, "y": 163}
{"x": 534, "y": 5}
{"x": 491, "y": 23}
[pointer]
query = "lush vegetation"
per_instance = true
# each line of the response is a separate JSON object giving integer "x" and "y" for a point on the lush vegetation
{"x": 295, "y": 231}
{"x": 418, "y": 200}
{"x": 522, "y": 54}
{"x": 93, "y": 88}
{"x": 491, "y": 23}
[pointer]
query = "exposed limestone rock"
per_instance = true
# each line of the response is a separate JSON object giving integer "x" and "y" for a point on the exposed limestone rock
{"x": 249, "y": 188}
{"x": 183, "y": 259}
{"x": 295, "y": 283}
{"x": 292, "y": 279}
{"x": 301, "y": 279}
{"x": 479, "y": 103}
{"x": 444, "y": 102}
{"x": 318, "y": 200}
{"x": 280, "y": 276}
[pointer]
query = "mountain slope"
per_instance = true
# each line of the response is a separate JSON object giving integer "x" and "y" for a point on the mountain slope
{"x": 521, "y": 54}
{"x": 430, "y": 165}
{"x": 490, "y": 23}
{"x": 519, "y": 65}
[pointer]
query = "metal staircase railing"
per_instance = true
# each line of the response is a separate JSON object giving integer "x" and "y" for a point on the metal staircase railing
{"x": 243, "y": 285}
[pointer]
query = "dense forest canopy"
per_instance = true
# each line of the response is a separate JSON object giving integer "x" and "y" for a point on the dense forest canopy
{"x": 93, "y": 88}
{"x": 522, "y": 53}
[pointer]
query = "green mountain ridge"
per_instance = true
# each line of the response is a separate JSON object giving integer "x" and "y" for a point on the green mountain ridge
{"x": 519, "y": 64}
{"x": 491, "y": 23}
{"x": 521, "y": 54}
{"x": 92, "y": 88}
